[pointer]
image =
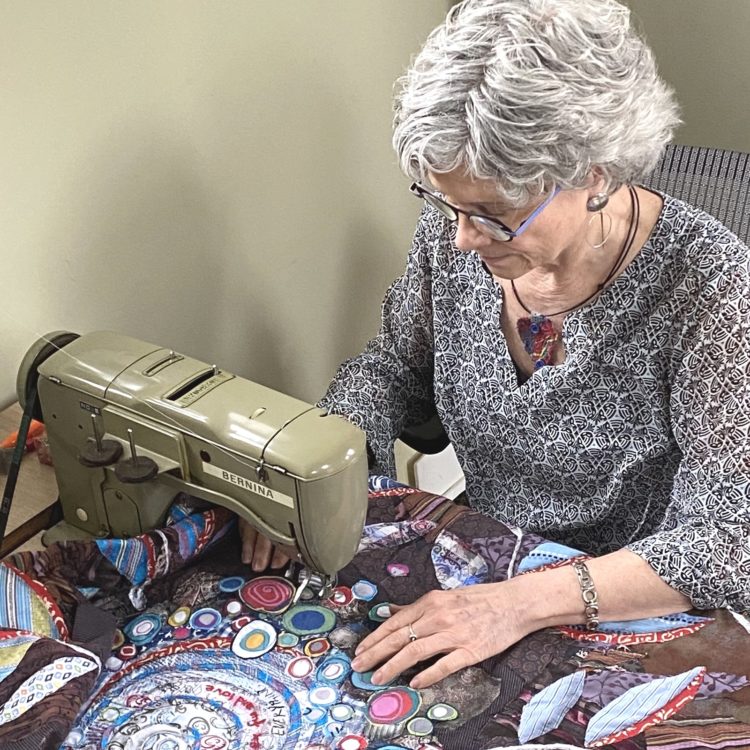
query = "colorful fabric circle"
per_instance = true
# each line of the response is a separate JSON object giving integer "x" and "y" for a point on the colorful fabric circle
{"x": 309, "y": 619}
{"x": 419, "y": 726}
{"x": 206, "y": 618}
{"x": 300, "y": 667}
{"x": 127, "y": 652}
{"x": 442, "y": 712}
{"x": 334, "y": 670}
{"x": 270, "y": 594}
{"x": 393, "y": 705}
{"x": 341, "y": 596}
{"x": 341, "y": 712}
{"x": 315, "y": 715}
{"x": 240, "y": 623}
{"x": 380, "y": 612}
{"x": 397, "y": 570}
{"x": 255, "y": 639}
{"x": 143, "y": 629}
{"x": 364, "y": 590}
{"x": 287, "y": 640}
{"x": 352, "y": 742}
{"x": 323, "y": 695}
{"x": 180, "y": 634}
{"x": 363, "y": 680}
{"x": 317, "y": 647}
{"x": 231, "y": 584}
{"x": 118, "y": 639}
{"x": 232, "y": 608}
{"x": 179, "y": 617}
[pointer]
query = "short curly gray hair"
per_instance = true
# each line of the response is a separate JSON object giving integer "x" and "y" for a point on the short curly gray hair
{"x": 534, "y": 93}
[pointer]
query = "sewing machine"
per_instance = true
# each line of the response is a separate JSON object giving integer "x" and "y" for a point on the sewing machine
{"x": 131, "y": 424}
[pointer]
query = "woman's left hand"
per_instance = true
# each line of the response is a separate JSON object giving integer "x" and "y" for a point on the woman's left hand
{"x": 468, "y": 625}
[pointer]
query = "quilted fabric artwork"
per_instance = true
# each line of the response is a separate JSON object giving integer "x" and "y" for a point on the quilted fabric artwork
{"x": 221, "y": 658}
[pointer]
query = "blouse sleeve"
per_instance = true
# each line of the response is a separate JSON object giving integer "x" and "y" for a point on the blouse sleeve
{"x": 389, "y": 385}
{"x": 702, "y": 548}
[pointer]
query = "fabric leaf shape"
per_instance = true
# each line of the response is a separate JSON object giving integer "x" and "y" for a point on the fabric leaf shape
{"x": 455, "y": 563}
{"x": 546, "y": 710}
{"x": 641, "y": 707}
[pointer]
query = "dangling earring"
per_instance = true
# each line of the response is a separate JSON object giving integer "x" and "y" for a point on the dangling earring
{"x": 595, "y": 205}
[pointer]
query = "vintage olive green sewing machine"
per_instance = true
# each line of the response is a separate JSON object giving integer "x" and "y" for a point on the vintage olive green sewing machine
{"x": 131, "y": 424}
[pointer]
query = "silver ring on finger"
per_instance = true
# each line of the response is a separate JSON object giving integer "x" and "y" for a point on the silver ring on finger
{"x": 412, "y": 635}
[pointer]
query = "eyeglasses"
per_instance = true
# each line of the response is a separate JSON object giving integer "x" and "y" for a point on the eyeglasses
{"x": 486, "y": 224}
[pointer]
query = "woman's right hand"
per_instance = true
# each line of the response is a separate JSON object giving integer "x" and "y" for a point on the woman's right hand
{"x": 259, "y": 550}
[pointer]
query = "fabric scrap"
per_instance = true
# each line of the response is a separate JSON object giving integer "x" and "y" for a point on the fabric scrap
{"x": 642, "y": 706}
{"x": 455, "y": 563}
{"x": 383, "y": 535}
{"x": 46, "y": 681}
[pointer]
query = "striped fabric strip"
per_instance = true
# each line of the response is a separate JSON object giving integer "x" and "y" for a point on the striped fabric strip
{"x": 711, "y": 734}
{"x": 630, "y": 639}
{"x": 545, "y": 711}
{"x": 21, "y": 607}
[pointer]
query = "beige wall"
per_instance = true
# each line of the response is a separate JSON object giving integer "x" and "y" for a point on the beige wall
{"x": 215, "y": 177}
{"x": 703, "y": 50}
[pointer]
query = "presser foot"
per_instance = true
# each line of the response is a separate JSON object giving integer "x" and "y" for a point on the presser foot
{"x": 305, "y": 579}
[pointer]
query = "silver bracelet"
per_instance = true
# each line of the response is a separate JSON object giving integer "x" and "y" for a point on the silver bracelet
{"x": 588, "y": 594}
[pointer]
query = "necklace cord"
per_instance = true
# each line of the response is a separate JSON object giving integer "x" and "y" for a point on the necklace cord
{"x": 635, "y": 215}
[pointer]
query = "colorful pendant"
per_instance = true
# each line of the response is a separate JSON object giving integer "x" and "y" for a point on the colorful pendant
{"x": 540, "y": 339}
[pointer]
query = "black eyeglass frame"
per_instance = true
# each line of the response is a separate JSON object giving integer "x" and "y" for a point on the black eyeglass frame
{"x": 488, "y": 225}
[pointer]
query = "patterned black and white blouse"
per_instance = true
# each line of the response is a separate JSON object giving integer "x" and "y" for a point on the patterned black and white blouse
{"x": 640, "y": 439}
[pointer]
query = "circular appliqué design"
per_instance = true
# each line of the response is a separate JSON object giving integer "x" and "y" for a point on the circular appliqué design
{"x": 300, "y": 667}
{"x": 205, "y": 699}
{"x": 255, "y": 639}
{"x": 364, "y": 590}
{"x": 334, "y": 670}
{"x": 231, "y": 584}
{"x": 179, "y": 617}
{"x": 287, "y": 640}
{"x": 143, "y": 629}
{"x": 270, "y": 594}
{"x": 393, "y": 705}
{"x": 317, "y": 647}
{"x": 309, "y": 619}
{"x": 206, "y": 618}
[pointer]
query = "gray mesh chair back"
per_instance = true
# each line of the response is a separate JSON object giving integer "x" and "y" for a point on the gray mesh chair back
{"x": 714, "y": 180}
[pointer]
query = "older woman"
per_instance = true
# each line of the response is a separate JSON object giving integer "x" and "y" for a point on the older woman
{"x": 586, "y": 341}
